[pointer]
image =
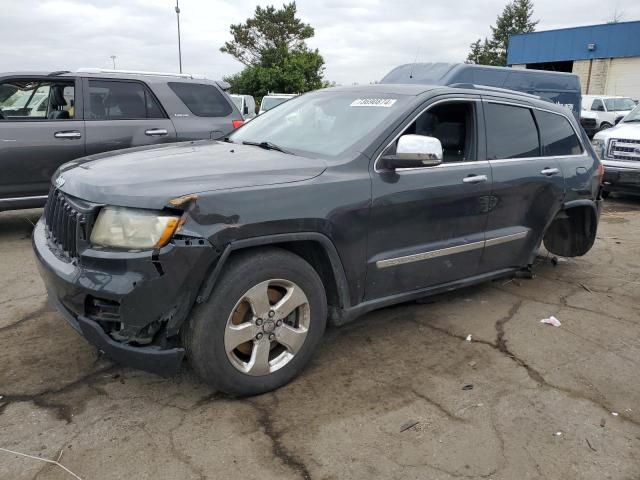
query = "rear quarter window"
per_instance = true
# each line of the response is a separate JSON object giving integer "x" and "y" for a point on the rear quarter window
{"x": 558, "y": 136}
{"x": 201, "y": 99}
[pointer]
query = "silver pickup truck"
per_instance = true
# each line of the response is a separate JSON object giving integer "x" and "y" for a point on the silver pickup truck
{"x": 47, "y": 119}
{"x": 619, "y": 149}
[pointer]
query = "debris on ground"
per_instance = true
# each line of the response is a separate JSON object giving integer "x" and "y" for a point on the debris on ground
{"x": 407, "y": 425}
{"x": 590, "y": 446}
{"x": 603, "y": 422}
{"x": 468, "y": 339}
{"x": 468, "y": 386}
{"x": 557, "y": 434}
{"x": 472, "y": 363}
{"x": 585, "y": 287}
{"x": 615, "y": 414}
{"x": 551, "y": 321}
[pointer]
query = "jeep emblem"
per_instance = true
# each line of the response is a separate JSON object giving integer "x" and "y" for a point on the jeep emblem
{"x": 60, "y": 182}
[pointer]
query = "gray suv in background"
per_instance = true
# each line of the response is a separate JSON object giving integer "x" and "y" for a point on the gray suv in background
{"x": 47, "y": 119}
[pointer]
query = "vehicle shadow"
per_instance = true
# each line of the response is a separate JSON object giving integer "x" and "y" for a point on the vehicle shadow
{"x": 18, "y": 224}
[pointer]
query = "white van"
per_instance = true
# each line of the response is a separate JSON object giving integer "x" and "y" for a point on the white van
{"x": 608, "y": 109}
{"x": 246, "y": 104}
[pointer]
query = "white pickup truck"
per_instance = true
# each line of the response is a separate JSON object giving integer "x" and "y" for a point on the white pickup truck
{"x": 619, "y": 149}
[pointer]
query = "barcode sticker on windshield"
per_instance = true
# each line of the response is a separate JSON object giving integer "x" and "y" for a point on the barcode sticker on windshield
{"x": 373, "y": 102}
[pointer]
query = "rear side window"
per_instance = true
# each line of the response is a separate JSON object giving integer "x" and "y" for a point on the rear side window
{"x": 201, "y": 99}
{"x": 557, "y": 134}
{"x": 511, "y": 132}
{"x": 597, "y": 106}
{"x": 109, "y": 100}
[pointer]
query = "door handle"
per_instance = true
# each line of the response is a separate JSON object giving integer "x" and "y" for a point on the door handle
{"x": 68, "y": 135}
{"x": 156, "y": 132}
{"x": 475, "y": 179}
{"x": 549, "y": 171}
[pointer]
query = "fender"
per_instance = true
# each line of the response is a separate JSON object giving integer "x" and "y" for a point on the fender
{"x": 327, "y": 244}
{"x": 596, "y": 205}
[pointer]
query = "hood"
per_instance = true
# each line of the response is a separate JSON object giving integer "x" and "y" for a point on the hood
{"x": 629, "y": 131}
{"x": 149, "y": 177}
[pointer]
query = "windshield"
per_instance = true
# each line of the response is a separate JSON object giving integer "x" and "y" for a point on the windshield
{"x": 324, "y": 123}
{"x": 617, "y": 104}
{"x": 269, "y": 102}
{"x": 237, "y": 101}
{"x": 633, "y": 116}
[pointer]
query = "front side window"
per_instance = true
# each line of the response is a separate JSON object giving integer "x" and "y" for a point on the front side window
{"x": 597, "y": 106}
{"x": 115, "y": 100}
{"x": 511, "y": 132}
{"x": 269, "y": 102}
{"x": 325, "y": 123}
{"x": 451, "y": 123}
{"x": 558, "y": 136}
{"x": 619, "y": 104}
{"x": 37, "y": 100}
{"x": 201, "y": 99}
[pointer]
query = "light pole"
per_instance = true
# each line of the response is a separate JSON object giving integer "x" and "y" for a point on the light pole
{"x": 179, "y": 46}
{"x": 113, "y": 59}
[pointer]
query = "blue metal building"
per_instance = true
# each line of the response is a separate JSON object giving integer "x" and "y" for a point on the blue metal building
{"x": 606, "y": 57}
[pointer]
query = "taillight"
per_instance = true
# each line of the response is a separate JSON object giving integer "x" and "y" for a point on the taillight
{"x": 601, "y": 173}
{"x": 238, "y": 123}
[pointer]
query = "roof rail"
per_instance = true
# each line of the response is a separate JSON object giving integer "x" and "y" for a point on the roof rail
{"x": 58, "y": 72}
{"x": 474, "y": 86}
{"x": 140, "y": 72}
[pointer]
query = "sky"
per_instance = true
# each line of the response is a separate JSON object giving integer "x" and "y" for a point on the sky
{"x": 360, "y": 40}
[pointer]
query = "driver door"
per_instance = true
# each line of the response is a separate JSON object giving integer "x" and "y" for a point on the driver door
{"x": 427, "y": 225}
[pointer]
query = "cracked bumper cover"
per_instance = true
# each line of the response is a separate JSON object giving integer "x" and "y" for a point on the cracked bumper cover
{"x": 145, "y": 291}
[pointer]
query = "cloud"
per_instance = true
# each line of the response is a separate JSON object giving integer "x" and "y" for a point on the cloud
{"x": 360, "y": 40}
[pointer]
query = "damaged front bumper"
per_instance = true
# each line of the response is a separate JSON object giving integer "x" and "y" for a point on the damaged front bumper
{"x": 621, "y": 179}
{"x": 130, "y": 305}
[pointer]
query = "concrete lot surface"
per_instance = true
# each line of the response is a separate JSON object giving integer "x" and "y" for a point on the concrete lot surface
{"x": 385, "y": 396}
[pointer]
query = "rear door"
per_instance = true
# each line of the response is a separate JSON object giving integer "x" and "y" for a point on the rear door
{"x": 41, "y": 128}
{"x": 528, "y": 187}
{"x": 122, "y": 114}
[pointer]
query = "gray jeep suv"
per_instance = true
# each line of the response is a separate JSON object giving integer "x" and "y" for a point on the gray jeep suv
{"x": 234, "y": 254}
{"x": 47, "y": 119}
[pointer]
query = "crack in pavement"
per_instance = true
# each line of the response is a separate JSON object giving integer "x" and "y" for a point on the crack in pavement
{"x": 501, "y": 346}
{"x": 62, "y": 411}
{"x": 181, "y": 456}
{"x": 440, "y": 407}
{"x": 278, "y": 448}
{"x": 44, "y": 308}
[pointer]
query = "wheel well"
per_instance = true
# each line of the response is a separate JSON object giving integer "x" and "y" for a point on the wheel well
{"x": 315, "y": 255}
{"x": 572, "y": 232}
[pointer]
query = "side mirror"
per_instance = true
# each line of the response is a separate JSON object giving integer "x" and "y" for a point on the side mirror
{"x": 415, "y": 151}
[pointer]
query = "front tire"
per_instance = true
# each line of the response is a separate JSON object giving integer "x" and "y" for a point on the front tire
{"x": 604, "y": 126}
{"x": 261, "y": 324}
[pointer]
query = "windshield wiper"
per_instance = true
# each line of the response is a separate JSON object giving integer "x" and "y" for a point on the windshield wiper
{"x": 632, "y": 120}
{"x": 267, "y": 146}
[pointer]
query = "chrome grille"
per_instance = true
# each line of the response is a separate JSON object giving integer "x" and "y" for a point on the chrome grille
{"x": 64, "y": 222}
{"x": 624, "y": 149}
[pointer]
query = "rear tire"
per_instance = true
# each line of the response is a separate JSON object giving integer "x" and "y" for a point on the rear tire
{"x": 605, "y": 194}
{"x": 261, "y": 325}
{"x": 604, "y": 126}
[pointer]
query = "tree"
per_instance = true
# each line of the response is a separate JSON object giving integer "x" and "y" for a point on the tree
{"x": 516, "y": 17}
{"x": 272, "y": 47}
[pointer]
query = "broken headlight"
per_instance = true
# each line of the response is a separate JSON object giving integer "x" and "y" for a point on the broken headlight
{"x": 132, "y": 228}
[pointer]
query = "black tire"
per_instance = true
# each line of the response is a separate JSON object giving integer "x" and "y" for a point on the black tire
{"x": 604, "y": 126}
{"x": 605, "y": 194}
{"x": 204, "y": 334}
